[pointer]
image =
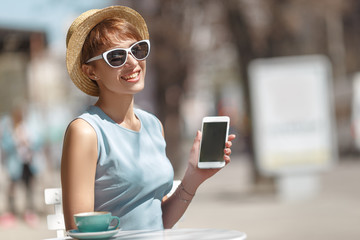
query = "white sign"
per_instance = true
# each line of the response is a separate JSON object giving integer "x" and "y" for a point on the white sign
{"x": 355, "y": 114}
{"x": 292, "y": 113}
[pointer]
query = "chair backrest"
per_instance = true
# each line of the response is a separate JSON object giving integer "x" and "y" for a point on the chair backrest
{"x": 53, "y": 196}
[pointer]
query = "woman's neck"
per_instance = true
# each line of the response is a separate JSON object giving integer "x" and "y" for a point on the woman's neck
{"x": 120, "y": 110}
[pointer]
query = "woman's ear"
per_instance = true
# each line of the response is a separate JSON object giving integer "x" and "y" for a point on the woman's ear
{"x": 89, "y": 71}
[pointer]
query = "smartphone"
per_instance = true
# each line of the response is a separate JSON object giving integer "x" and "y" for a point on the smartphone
{"x": 215, "y": 132}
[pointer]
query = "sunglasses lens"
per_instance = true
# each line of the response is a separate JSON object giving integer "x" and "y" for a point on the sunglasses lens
{"x": 117, "y": 57}
{"x": 140, "y": 51}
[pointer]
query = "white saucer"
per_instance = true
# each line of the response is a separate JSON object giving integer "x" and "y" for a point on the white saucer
{"x": 92, "y": 235}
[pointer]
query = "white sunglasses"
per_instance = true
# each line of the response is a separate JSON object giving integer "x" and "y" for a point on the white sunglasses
{"x": 117, "y": 57}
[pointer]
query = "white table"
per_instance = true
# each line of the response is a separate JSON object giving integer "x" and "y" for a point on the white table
{"x": 180, "y": 234}
{"x": 177, "y": 234}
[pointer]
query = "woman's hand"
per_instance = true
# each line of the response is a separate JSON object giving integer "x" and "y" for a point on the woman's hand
{"x": 194, "y": 176}
{"x": 175, "y": 206}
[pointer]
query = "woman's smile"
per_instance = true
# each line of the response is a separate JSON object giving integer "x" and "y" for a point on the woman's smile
{"x": 132, "y": 77}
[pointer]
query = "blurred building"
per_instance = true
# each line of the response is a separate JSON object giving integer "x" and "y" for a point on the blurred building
{"x": 16, "y": 49}
{"x": 32, "y": 66}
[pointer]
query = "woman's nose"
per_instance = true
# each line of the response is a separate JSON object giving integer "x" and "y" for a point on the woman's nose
{"x": 130, "y": 59}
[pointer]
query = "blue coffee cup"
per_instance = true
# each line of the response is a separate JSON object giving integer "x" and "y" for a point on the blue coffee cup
{"x": 95, "y": 221}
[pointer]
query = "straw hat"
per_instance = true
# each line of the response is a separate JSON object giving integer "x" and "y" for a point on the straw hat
{"x": 78, "y": 32}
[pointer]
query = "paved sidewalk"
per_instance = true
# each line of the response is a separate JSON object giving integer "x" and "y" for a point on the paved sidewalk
{"x": 228, "y": 201}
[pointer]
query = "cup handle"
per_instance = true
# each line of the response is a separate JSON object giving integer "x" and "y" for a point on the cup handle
{"x": 117, "y": 225}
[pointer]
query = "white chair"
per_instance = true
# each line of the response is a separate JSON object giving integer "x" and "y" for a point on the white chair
{"x": 53, "y": 196}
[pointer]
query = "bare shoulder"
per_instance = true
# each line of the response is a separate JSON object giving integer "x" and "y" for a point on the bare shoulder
{"x": 80, "y": 136}
{"x": 80, "y": 128}
{"x": 80, "y": 143}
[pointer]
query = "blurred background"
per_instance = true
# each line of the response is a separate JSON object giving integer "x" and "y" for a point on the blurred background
{"x": 200, "y": 64}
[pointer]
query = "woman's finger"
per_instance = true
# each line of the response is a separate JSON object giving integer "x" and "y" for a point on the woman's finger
{"x": 231, "y": 137}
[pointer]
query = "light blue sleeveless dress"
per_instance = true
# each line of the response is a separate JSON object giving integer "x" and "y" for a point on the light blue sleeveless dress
{"x": 133, "y": 173}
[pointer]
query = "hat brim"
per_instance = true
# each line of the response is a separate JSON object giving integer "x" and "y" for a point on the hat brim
{"x": 75, "y": 42}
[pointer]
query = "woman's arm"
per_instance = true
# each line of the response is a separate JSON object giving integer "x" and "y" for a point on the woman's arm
{"x": 78, "y": 166}
{"x": 175, "y": 206}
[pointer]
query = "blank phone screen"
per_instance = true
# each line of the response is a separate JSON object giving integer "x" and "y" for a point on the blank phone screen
{"x": 213, "y": 142}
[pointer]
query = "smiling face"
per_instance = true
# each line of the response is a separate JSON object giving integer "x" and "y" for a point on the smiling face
{"x": 107, "y": 35}
{"x": 127, "y": 79}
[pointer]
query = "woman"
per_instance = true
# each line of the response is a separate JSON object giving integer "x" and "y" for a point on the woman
{"x": 19, "y": 149}
{"x": 114, "y": 154}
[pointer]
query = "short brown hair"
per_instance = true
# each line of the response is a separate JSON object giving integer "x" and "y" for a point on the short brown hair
{"x": 103, "y": 36}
